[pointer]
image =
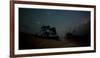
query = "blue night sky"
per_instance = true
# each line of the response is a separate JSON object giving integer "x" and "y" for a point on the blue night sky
{"x": 30, "y": 20}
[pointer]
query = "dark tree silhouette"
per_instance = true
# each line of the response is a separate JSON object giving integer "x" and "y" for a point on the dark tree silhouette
{"x": 69, "y": 35}
{"x": 45, "y": 31}
{"x": 49, "y": 32}
{"x": 53, "y": 31}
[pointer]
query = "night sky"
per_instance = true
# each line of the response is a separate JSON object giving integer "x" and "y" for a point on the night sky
{"x": 30, "y": 20}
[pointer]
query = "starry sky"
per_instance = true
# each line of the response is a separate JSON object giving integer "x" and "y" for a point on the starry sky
{"x": 31, "y": 19}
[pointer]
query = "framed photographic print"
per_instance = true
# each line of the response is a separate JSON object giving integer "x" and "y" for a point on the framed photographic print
{"x": 38, "y": 28}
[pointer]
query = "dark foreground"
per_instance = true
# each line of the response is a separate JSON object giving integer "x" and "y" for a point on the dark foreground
{"x": 30, "y": 41}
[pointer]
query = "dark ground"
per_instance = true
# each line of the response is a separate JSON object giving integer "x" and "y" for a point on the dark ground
{"x": 30, "y": 41}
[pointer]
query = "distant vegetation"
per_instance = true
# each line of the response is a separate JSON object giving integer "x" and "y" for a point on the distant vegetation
{"x": 48, "y": 32}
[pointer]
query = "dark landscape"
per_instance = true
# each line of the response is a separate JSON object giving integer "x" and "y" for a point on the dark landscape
{"x": 45, "y": 28}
